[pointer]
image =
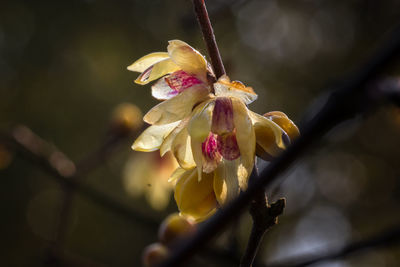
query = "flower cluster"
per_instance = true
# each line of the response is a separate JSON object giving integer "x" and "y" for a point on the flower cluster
{"x": 208, "y": 128}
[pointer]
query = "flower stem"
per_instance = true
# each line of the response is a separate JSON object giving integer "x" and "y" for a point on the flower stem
{"x": 209, "y": 37}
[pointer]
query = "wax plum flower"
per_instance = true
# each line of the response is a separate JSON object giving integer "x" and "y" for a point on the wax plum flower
{"x": 183, "y": 84}
{"x": 148, "y": 175}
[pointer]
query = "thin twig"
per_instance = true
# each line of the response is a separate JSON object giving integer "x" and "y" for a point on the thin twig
{"x": 264, "y": 217}
{"x": 209, "y": 37}
{"x": 85, "y": 190}
{"x": 385, "y": 239}
{"x": 346, "y": 101}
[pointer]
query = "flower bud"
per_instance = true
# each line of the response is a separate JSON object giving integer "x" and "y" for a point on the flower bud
{"x": 174, "y": 228}
{"x": 126, "y": 118}
{"x": 154, "y": 254}
{"x": 6, "y": 157}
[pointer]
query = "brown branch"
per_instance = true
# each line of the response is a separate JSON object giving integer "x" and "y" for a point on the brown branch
{"x": 264, "y": 217}
{"x": 209, "y": 37}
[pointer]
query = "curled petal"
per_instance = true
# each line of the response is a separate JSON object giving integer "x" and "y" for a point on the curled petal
{"x": 173, "y": 84}
{"x": 188, "y": 59}
{"x": 226, "y": 182}
{"x": 200, "y": 124}
{"x": 146, "y": 61}
{"x": 167, "y": 143}
{"x": 152, "y": 138}
{"x": 199, "y": 129}
{"x": 156, "y": 71}
{"x": 269, "y": 136}
{"x": 222, "y": 119}
{"x": 284, "y": 122}
{"x": 182, "y": 151}
{"x": 224, "y": 87}
{"x": 195, "y": 198}
{"x": 177, "y": 107}
{"x": 245, "y": 134}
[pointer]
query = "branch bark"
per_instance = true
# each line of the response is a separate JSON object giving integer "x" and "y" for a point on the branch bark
{"x": 209, "y": 37}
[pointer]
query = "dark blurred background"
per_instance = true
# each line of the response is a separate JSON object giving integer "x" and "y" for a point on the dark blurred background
{"x": 63, "y": 72}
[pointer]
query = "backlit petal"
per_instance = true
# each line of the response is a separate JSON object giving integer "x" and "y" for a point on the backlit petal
{"x": 177, "y": 107}
{"x": 181, "y": 149}
{"x": 156, "y": 71}
{"x": 269, "y": 135}
{"x": 224, "y": 87}
{"x": 195, "y": 198}
{"x": 152, "y": 138}
{"x": 284, "y": 122}
{"x": 176, "y": 175}
{"x": 167, "y": 143}
{"x": 226, "y": 183}
{"x": 173, "y": 84}
{"x": 245, "y": 134}
{"x": 188, "y": 58}
{"x": 146, "y": 61}
{"x": 222, "y": 119}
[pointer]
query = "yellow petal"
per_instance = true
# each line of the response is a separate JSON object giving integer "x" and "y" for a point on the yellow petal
{"x": 146, "y": 61}
{"x": 156, "y": 71}
{"x": 199, "y": 128}
{"x": 152, "y": 138}
{"x": 176, "y": 175}
{"x": 182, "y": 151}
{"x": 245, "y": 134}
{"x": 224, "y": 87}
{"x": 226, "y": 183}
{"x": 167, "y": 143}
{"x": 195, "y": 198}
{"x": 268, "y": 134}
{"x": 285, "y": 123}
{"x": 200, "y": 124}
{"x": 177, "y": 107}
{"x": 188, "y": 58}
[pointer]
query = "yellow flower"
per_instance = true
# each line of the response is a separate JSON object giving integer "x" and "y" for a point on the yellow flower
{"x": 148, "y": 174}
{"x": 183, "y": 84}
{"x": 218, "y": 138}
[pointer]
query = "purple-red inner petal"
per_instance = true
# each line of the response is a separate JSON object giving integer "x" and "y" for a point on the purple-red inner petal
{"x": 228, "y": 146}
{"x": 180, "y": 80}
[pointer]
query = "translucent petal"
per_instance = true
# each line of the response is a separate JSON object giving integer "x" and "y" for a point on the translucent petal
{"x": 156, "y": 71}
{"x": 245, "y": 134}
{"x": 162, "y": 91}
{"x": 226, "y": 183}
{"x": 176, "y": 175}
{"x": 181, "y": 149}
{"x": 222, "y": 119}
{"x": 167, "y": 143}
{"x": 188, "y": 58}
{"x": 152, "y": 138}
{"x": 146, "y": 61}
{"x": 224, "y": 87}
{"x": 173, "y": 84}
{"x": 284, "y": 122}
{"x": 177, "y": 107}
{"x": 200, "y": 124}
{"x": 269, "y": 135}
{"x": 195, "y": 198}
